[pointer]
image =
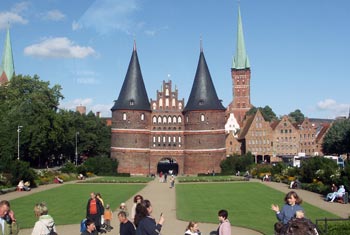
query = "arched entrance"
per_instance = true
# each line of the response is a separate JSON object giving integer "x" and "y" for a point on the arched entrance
{"x": 167, "y": 165}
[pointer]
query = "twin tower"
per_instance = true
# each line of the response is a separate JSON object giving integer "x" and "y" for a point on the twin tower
{"x": 149, "y": 136}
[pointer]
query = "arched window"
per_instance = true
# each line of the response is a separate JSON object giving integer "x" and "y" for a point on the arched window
{"x": 174, "y": 119}
{"x": 124, "y": 116}
{"x": 154, "y": 139}
{"x": 202, "y": 118}
{"x": 160, "y": 103}
{"x": 167, "y": 92}
{"x": 154, "y": 119}
{"x": 180, "y": 105}
{"x": 179, "y": 119}
{"x": 164, "y": 119}
{"x": 142, "y": 116}
{"x": 159, "y": 120}
{"x": 167, "y": 102}
{"x": 154, "y": 105}
{"x": 173, "y": 102}
{"x": 169, "y": 119}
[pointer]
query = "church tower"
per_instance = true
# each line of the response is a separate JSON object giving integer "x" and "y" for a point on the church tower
{"x": 7, "y": 68}
{"x": 131, "y": 118}
{"x": 240, "y": 73}
{"x": 204, "y": 124}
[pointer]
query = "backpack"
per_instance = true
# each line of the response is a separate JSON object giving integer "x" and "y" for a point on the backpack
{"x": 83, "y": 226}
{"x": 52, "y": 232}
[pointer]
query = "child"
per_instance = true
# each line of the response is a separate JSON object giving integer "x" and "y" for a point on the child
{"x": 108, "y": 215}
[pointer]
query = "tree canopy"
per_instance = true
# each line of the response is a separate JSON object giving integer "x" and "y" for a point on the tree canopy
{"x": 29, "y": 113}
{"x": 337, "y": 138}
{"x": 266, "y": 112}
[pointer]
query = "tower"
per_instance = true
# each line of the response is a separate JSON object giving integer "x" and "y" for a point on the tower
{"x": 204, "y": 124}
{"x": 131, "y": 118}
{"x": 240, "y": 73}
{"x": 7, "y": 68}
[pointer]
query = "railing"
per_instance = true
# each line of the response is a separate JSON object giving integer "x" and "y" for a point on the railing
{"x": 325, "y": 221}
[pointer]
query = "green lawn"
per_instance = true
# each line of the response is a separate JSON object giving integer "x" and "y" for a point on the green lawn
{"x": 248, "y": 204}
{"x": 67, "y": 204}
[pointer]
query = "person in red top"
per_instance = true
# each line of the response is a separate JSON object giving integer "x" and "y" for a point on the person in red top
{"x": 94, "y": 210}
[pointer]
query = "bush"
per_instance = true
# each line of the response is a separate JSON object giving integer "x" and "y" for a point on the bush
{"x": 102, "y": 166}
{"x": 69, "y": 167}
{"x": 336, "y": 228}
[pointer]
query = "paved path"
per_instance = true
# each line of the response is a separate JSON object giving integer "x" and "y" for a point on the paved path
{"x": 163, "y": 200}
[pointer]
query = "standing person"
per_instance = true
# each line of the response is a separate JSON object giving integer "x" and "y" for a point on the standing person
{"x": 8, "y": 225}
{"x": 45, "y": 223}
{"x": 137, "y": 199}
{"x": 108, "y": 216}
{"x": 90, "y": 228}
{"x": 192, "y": 229}
{"x": 145, "y": 224}
{"x": 94, "y": 210}
{"x": 126, "y": 227}
{"x": 225, "y": 225}
{"x": 291, "y": 206}
{"x": 123, "y": 207}
{"x": 172, "y": 181}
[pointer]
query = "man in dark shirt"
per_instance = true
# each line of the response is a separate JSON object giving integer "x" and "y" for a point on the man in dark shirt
{"x": 126, "y": 227}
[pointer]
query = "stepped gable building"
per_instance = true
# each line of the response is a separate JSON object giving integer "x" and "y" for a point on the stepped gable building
{"x": 164, "y": 134}
{"x": 7, "y": 68}
{"x": 240, "y": 73}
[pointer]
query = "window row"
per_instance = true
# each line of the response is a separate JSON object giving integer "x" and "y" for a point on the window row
{"x": 166, "y": 119}
{"x": 142, "y": 116}
{"x": 259, "y": 141}
{"x": 167, "y": 139}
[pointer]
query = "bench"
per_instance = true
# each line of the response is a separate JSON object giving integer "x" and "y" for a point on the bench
{"x": 7, "y": 190}
{"x": 344, "y": 199}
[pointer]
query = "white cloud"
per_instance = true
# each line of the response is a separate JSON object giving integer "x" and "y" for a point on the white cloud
{"x": 60, "y": 47}
{"x": 76, "y": 26}
{"x": 105, "y": 16}
{"x": 20, "y": 7}
{"x": 331, "y": 106}
{"x": 104, "y": 109}
{"x": 12, "y": 18}
{"x": 54, "y": 15}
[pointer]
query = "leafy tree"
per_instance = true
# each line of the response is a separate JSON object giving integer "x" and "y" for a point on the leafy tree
{"x": 266, "y": 112}
{"x": 296, "y": 116}
{"x": 101, "y": 165}
{"x": 318, "y": 168}
{"x": 337, "y": 138}
{"x": 236, "y": 163}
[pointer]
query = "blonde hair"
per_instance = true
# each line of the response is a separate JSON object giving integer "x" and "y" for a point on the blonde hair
{"x": 41, "y": 209}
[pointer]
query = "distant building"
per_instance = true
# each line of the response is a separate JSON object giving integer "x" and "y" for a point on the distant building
{"x": 81, "y": 109}
{"x": 165, "y": 134}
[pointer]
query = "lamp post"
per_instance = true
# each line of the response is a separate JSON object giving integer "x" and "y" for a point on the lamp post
{"x": 76, "y": 147}
{"x": 18, "y": 131}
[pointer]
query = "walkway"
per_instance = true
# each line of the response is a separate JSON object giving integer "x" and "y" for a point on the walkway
{"x": 163, "y": 201}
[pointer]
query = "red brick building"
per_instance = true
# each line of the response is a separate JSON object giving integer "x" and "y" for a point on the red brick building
{"x": 149, "y": 137}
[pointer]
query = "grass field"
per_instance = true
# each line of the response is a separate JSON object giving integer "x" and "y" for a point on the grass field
{"x": 248, "y": 204}
{"x": 67, "y": 204}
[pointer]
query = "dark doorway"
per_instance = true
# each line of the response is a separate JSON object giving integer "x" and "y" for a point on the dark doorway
{"x": 167, "y": 165}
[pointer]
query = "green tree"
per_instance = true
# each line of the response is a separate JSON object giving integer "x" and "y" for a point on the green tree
{"x": 236, "y": 163}
{"x": 318, "y": 168}
{"x": 296, "y": 116}
{"x": 101, "y": 165}
{"x": 266, "y": 112}
{"x": 337, "y": 138}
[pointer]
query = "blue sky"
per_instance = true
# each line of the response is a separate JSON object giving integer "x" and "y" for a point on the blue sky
{"x": 299, "y": 50}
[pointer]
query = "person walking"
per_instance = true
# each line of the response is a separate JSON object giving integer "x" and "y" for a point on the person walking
{"x": 137, "y": 199}
{"x": 225, "y": 225}
{"x": 45, "y": 223}
{"x": 126, "y": 227}
{"x": 8, "y": 224}
{"x": 291, "y": 206}
{"x": 145, "y": 224}
{"x": 94, "y": 210}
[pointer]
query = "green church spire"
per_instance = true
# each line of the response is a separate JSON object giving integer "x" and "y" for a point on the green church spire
{"x": 7, "y": 64}
{"x": 240, "y": 60}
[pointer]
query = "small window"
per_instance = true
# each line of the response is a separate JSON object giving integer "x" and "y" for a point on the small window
{"x": 142, "y": 116}
{"x": 131, "y": 102}
{"x": 202, "y": 118}
{"x": 124, "y": 116}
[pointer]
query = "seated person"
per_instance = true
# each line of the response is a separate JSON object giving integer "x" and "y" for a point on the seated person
{"x": 339, "y": 194}
{"x": 58, "y": 180}
{"x": 20, "y": 186}
{"x": 27, "y": 186}
{"x": 81, "y": 177}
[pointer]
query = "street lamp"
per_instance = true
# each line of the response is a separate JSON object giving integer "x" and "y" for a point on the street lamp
{"x": 18, "y": 131}
{"x": 76, "y": 147}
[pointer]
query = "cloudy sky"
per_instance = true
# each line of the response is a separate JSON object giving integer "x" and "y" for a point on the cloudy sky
{"x": 299, "y": 50}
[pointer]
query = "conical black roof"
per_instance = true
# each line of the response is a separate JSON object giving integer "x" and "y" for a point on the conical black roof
{"x": 203, "y": 95}
{"x": 133, "y": 95}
